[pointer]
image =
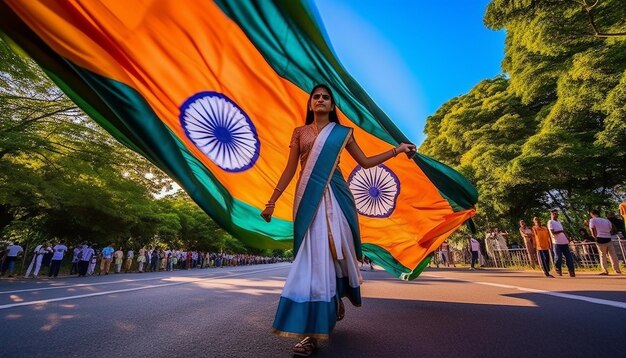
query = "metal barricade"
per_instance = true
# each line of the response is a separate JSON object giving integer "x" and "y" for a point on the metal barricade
{"x": 585, "y": 255}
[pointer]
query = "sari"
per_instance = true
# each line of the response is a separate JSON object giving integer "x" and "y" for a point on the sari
{"x": 326, "y": 243}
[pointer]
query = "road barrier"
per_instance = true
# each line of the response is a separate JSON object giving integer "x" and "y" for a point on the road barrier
{"x": 586, "y": 255}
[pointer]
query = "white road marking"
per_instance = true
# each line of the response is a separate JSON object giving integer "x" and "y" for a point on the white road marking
{"x": 30, "y": 303}
{"x": 598, "y": 301}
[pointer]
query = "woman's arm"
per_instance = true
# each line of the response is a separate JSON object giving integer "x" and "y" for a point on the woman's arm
{"x": 283, "y": 182}
{"x": 368, "y": 162}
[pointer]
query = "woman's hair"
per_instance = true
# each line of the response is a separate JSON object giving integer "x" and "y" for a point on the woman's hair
{"x": 332, "y": 115}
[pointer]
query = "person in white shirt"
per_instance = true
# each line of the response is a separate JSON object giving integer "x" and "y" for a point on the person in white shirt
{"x": 13, "y": 250}
{"x": 561, "y": 245}
{"x": 601, "y": 230}
{"x": 35, "y": 263}
{"x": 85, "y": 255}
{"x": 474, "y": 248}
{"x": 57, "y": 256}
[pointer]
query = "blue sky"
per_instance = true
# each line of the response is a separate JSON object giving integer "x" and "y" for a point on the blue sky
{"x": 412, "y": 56}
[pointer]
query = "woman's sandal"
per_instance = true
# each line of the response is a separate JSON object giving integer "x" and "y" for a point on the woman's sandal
{"x": 305, "y": 347}
{"x": 341, "y": 311}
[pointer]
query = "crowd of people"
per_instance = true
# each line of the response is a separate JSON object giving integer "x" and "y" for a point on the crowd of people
{"x": 87, "y": 260}
{"x": 541, "y": 242}
{"x": 549, "y": 244}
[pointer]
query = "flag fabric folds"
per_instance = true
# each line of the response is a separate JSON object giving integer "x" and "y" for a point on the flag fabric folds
{"x": 210, "y": 92}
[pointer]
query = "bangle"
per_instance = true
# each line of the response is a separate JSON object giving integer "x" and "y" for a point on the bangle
{"x": 278, "y": 190}
{"x": 270, "y": 204}
{"x": 394, "y": 151}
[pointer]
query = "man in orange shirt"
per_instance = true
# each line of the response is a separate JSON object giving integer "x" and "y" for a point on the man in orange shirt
{"x": 543, "y": 245}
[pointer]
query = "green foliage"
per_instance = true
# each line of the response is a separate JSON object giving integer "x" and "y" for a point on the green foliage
{"x": 62, "y": 176}
{"x": 552, "y": 132}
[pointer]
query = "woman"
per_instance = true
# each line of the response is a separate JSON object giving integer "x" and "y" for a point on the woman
{"x": 326, "y": 233}
{"x": 529, "y": 241}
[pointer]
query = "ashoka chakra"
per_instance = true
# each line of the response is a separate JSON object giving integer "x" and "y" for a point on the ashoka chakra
{"x": 375, "y": 190}
{"x": 221, "y": 130}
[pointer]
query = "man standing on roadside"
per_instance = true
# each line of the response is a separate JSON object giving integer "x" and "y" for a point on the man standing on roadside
{"x": 130, "y": 255}
{"x": 561, "y": 245}
{"x": 119, "y": 259}
{"x": 57, "y": 256}
{"x": 601, "y": 230}
{"x": 474, "y": 248}
{"x": 107, "y": 257}
{"x": 85, "y": 255}
{"x": 618, "y": 224}
{"x": 542, "y": 245}
{"x": 13, "y": 250}
{"x": 35, "y": 263}
{"x": 74, "y": 268}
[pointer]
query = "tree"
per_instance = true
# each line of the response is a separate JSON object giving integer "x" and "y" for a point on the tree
{"x": 552, "y": 132}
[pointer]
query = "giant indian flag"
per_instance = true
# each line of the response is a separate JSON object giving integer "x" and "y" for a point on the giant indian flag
{"x": 210, "y": 92}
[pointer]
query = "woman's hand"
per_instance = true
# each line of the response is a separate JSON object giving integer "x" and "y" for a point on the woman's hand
{"x": 267, "y": 213}
{"x": 407, "y": 148}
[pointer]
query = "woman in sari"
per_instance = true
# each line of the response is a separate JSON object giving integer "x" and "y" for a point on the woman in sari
{"x": 326, "y": 232}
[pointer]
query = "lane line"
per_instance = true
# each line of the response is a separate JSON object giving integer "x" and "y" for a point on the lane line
{"x": 30, "y": 303}
{"x": 569, "y": 296}
{"x": 598, "y": 301}
{"x": 105, "y": 283}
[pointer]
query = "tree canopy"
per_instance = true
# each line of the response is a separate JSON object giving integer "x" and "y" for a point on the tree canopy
{"x": 551, "y": 131}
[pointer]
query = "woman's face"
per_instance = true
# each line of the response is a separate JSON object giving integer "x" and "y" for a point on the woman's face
{"x": 321, "y": 101}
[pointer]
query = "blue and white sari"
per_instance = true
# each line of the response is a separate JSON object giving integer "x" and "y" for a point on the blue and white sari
{"x": 326, "y": 243}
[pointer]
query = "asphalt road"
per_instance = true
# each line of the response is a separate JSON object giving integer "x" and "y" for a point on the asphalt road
{"x": 228, "y": 312}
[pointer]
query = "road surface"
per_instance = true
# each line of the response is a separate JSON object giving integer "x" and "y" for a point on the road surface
{"x": 228, "y": 312}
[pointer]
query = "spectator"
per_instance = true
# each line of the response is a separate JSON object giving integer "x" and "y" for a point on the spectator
{"x": 130, "y": 255}
{"x": 529, "y": 241}
{"x": 618, "y": 224}
{"x": 154, "y": 260}
{"x": 601, "y": 230}
{"x": 561, "y": 245}
{"x": 84, "y": 259}
{"x": 622, "y": 212}
{"x": 174, "y": 261}
{"x": 474, "y": 249}
{"x": 12, "y": 252}
{"x": 543, "y": 245}
{"x": 141, "y": 259}
{"x": 47, "y": 257}
{"x": 149, "y": 258}
{"x": 74, "y": 268}
{"x": 93, "y": 263}
{"x": 107, "y": 257}
{"x": 57, "y": 256}
{"x": 35, "y": 263}
{"x": 119, "y": 259}
{"x": 445, "y": 253}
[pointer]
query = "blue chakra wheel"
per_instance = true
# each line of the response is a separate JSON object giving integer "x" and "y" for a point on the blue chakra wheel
{"x": 375, "y": 190}
{"x": 221, "y": 130}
